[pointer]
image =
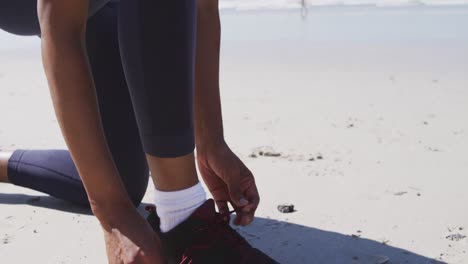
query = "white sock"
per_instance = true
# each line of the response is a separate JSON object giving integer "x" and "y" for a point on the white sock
{"x": 175, "y": 207}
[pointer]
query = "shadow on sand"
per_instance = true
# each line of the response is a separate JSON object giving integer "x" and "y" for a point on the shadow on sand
{"x": 288, "y": 243}
{"x": 291, "y": 243}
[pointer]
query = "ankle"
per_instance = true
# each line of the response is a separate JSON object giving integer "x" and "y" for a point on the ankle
{"x": 173, "y": 174}
{"x": 175, "y": 207}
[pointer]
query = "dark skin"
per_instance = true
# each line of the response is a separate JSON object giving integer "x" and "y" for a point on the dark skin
{"x": 227, "y": 178}
{"x": 129, "y": 239}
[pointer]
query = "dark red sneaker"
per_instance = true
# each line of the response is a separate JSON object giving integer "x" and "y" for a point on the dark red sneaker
{"x": 206, "y": 238}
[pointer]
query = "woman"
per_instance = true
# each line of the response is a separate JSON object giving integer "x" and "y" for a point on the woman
{"x": 121, "y": 77}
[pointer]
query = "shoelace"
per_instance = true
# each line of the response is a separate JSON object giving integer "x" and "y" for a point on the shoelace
{"x": 214, "y": 233}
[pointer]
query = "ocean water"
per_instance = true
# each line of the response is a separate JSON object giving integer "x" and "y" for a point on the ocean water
{"x": 405, "y": 38}
{"x": 373, "y": 22}
{"x": 292, "y": 4}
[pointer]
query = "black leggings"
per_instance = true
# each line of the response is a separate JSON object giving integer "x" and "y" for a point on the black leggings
{"x": 142, "y": 56}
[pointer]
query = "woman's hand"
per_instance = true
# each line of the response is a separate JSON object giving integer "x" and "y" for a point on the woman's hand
{"x": 229, "y": 180}
{"x": 130, "y": 239}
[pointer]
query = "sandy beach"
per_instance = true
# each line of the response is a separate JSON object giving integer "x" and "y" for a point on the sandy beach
{"x": 356, "y": 115}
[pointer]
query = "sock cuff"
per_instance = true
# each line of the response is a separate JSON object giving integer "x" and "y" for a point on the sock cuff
{"x": 181, "y": 200}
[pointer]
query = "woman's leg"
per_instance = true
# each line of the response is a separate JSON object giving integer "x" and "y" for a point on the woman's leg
{"x": 116, "y": 109}
{"x": 157, "y": 42}
{"x": 53, "y": 171}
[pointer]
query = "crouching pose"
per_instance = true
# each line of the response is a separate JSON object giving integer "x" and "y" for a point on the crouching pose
{"x": 135, "y": 88}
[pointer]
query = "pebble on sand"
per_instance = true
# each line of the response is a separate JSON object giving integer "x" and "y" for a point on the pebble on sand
{"x": 270, "y": 154}
{"x": 286, "y": 208}
{"x": 265, "y": 151}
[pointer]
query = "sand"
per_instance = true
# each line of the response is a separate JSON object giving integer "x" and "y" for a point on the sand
{"x": 355, "y": 116}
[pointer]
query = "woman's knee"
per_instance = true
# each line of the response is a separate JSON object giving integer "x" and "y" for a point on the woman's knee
{"x": 19, "y": 17}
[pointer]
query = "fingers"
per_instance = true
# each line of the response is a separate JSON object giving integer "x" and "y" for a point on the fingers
{"x": 237, "y": 196}
{"x": 219, "y": 191}
{"x": 229, "y": 180}
{"x": 238, "y": 219}
{"x": 223, "y": 207}
{"x": 246, "y": 214}
{"x": 239, "y": 185}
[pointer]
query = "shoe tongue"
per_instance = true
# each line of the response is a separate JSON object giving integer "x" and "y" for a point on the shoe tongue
{"x": 206, "y": 211}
